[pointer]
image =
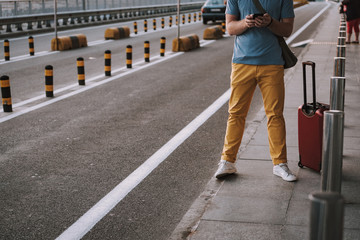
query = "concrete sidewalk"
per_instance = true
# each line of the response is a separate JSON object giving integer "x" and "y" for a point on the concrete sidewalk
{"x": 255, "y": 204}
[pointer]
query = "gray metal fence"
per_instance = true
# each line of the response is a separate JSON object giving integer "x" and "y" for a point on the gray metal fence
{"x": 26, "y": 7}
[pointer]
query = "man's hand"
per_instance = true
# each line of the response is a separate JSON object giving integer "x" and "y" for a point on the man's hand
{"x": 250, "y": 21}
{"x": 262, "y": 21}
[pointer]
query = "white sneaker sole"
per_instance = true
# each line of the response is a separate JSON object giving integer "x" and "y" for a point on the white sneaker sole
{"x": 221, "y": 175}
{"x": 288, "y": 180}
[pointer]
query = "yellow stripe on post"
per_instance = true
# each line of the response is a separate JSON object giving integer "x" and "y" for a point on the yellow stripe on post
{"x": 6, "y": 101}
{"x": 5, "y": 83}
{"x": 49, "y": 88}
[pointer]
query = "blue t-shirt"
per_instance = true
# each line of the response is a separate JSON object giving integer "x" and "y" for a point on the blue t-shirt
{"x": 259, "y": 46}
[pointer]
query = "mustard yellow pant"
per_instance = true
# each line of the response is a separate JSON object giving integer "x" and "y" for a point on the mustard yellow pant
{"x": 244, "y": 79}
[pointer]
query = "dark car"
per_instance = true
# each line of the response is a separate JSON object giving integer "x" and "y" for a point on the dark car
{"x": 213, "y": 10}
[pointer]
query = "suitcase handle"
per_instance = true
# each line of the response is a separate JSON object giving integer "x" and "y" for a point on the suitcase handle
{"x": 312, "y": 64}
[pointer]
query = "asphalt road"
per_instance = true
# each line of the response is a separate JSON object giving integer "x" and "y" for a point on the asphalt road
{"x": 58, "y": 160}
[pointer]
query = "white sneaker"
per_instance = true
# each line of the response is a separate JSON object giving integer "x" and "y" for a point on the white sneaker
{"x": 225, "y": 168}
{"x": 284, "y": 172}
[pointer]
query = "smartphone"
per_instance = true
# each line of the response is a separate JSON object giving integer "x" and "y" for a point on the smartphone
{"x": 255, "y": 15}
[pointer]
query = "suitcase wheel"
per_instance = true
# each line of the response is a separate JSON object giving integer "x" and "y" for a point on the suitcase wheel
{"x": 300, "y": 165}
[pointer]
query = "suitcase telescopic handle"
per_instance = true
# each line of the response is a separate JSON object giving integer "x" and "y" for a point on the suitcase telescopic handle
{"x": 312, "y": 64}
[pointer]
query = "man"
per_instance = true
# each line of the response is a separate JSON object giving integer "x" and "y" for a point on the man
{"x": 257, "y": 60}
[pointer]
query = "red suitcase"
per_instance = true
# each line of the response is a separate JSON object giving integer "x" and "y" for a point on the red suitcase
{"x": 310, "y": 126}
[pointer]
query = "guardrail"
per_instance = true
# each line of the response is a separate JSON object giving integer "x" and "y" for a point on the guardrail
{"x": 68, "y": 20}
{"x": 327, "y": 206}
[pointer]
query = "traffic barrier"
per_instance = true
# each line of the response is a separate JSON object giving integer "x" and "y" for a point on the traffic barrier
{"x": 183, "y": 19}
{"x": 129, "y": 56}
{"x": 326, "y": 216}
{"x": 342, "y": 34}
{"x": 214, "y": 32}
{"x": 177, "y": 20}
{"x": 199, "y": 16}
{"x": 162, "y": 23}
{"x": 49, "y": 81}
{"x": 187, "y": 43}
{"x": 223, "y": 24}
{"x": 341, "y": 49}
{"x": 341, "y": 41}
{"x": 81, "y": 70}
{"x": 170, "y": 21}
{"x": 31, "y": 46}
{"x": 7, "y": 50}
{"x": 299, "y": 3}
{"x": 194, "y": 17}
{"x": 333, "y": 140}
{"x": 5, "y": 93}
{"x": 337, "y": 93}
{"x": 145, "y": 25}
{"x": 162, "y": 46}
{"x": 68, "y": 42}
{"x": 154, "y": 24}
{"x": 135, "y": 28}
{"x": 339, "y": 66}
{"x": 117, "y": 33}
{"x": 107, "y": 57}
{"x": 147, "y": 51}
{"x": 189, "y": 18}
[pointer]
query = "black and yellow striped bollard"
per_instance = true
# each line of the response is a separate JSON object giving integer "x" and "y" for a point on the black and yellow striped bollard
{"x": 81, "y": 70}
{"x": 49, "y": 81}
{"x": 7, "y": 50}
{"x": 223, "y": 27}
{"x": 147, "y": 51}
{"x": 189, "y": 18}
{"x": 177, "y": 20}
{"x": 129, "y": 56}
{"x": 154, "y": 24}
{"x": 107, "y": 57}
{"x": 162, "y": 22}
{"x": 194, "y": 17}
{"x": 162, "y": 46}
{"x": 135, "y": 28}
{"x": 145, "y": 26}
{"x": 31, "y": 46}
{"x": 199, "y": 16}
{"x": 5, "y": 93}
{"x": 183, "y": 19}
{"x": 170, "y": 21}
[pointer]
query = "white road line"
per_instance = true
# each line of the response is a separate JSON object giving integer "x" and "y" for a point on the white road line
{"x": 306, "y": 25}
{"x": 107, "y": 203}
{"x": 25, "y": 57}
{"x": 100, "y": 209}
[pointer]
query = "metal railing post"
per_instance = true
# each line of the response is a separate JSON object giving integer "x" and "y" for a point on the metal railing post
{"x": 341, "y": 41}
{"x": 333, "y": 139}
{"x": 326, "y": 216}
{"x": 339, "y": 66}
{"x": 337, "y": 93}
{"x": 341, "y": 50}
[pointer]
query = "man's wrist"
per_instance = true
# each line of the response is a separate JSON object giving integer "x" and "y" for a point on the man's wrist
{"x": 270, "y": 22}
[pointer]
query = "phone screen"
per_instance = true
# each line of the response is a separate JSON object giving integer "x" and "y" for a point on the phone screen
{"x": 257, "y": 15}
